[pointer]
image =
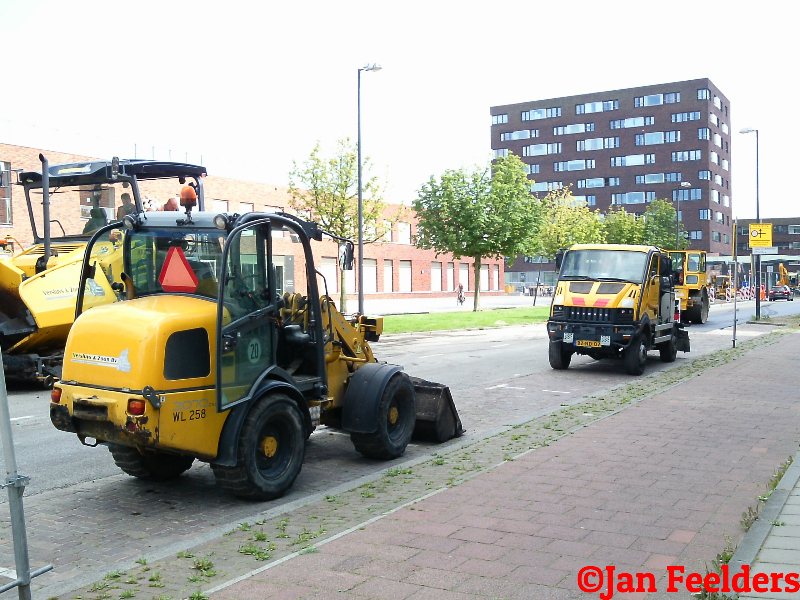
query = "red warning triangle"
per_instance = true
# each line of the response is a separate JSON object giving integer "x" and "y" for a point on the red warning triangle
{"x": 176, "y": 274}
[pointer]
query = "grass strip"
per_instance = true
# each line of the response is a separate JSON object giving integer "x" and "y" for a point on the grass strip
{"x": 464, "y": 319}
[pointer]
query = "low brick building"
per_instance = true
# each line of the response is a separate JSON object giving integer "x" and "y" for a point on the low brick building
{"x": 393, "y": 268}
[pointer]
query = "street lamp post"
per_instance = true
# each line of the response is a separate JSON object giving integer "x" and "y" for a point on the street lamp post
{"x": 373, "y": 67}
{"x": 757, "y": 257}
{"x": 684, "y": 184}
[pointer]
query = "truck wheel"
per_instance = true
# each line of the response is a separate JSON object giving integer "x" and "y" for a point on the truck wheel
{"x": 699, "y": 312}
{"x": 271, "y": 450}
{"x": 636, "y": 356}
{"x": 559, "y": 358}
{"x": 159, "y": 467}
{"x": 668, "y": 351}
{"x": 397, "y": 416}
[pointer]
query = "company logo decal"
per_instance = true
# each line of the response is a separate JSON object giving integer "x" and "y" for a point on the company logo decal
{"x": 120, "y": 363}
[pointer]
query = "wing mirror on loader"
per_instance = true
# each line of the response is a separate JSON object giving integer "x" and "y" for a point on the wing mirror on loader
{"x": 559, "y": 259}
{"x": 346, "y": 256}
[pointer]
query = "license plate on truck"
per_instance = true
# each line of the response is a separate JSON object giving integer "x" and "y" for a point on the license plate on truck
{"x": 589, "y": 343}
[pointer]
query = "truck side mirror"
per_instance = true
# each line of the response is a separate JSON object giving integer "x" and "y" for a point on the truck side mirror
{"x": 346, "y": 256}
{"x": 559, "y": 259}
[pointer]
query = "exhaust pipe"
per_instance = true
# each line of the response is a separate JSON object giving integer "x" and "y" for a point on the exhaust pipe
{"x": 41, "y": 264}
{"x": 437, "y": 417}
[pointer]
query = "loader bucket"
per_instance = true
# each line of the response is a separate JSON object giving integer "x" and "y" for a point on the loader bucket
{"x": 437, "y": 417}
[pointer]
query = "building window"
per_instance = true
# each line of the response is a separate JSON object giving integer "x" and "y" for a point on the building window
{"x": 541, "y": 149}
{"x": 715, "y": 236}
{"x": 632, "y": 122}
{"x": 531, "y": 169}
{"x": 686, "y": 116}
{"x": 522, "y": 134}
{"x": 436, "y": 276}
{"x": 725, "y": 164}
{"x": 587, "y": 200}
{"x": 686, "y": 155}
{"x": 726, "y": 239}
{"x": 650, "y": 196}
{"x": 404, "y": 233}
{"x": 652, "y": 178}
{"x": 703, "y": 94}
{"x": 501, "y": 153}
{"x": 718, "y": 180}
{"x": 715, "y": 196}
{"x": 715, "y": 158}
{"x": 219, "y": 206}
{"x": 704, "y": 175}
{"x": 546, "y": 186}
{"x": 695, "y": 235}
{"x": 718, "y": 140}
{"x": 573, "y": 165}
{"x": 632, "y": 160}
{"x": 725, "y": 128}
{"x": 595, "y": 107}
{"x": 672, "y": 98}
{"x": 693, "y": 194}
{"x": 717, "y": 102}
{"x": 704, "y": 133}
{"x": 793, "y": 230}
{"x": 598, "y": 182}
{"x": 705, "y": 214}
{"x": 714, "y": 119}
{"x": 576, "y": 128}
{"x": 6, "y": 213}
{"x": 597, "y": 144}
{"x": 629, "y": 198}
{"x": 673, "y": 177}
{"x": 720, "y": 218}
{"x": 541, "y": 113}
{"x": 499, "y": 119}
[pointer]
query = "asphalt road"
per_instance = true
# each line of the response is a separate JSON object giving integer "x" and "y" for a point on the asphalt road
{"x": 463, "y": 360}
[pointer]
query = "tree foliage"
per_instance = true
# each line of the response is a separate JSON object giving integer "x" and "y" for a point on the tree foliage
{"x": 325, "y": 189}
{"x": 660, "y": 226}
{"x": 480, "y": 213}
{"x": 567, "y": 221}
{"x": 622, "y": 227}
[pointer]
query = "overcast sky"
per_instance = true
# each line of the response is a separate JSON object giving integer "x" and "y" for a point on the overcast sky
{"x": 250, "y": 86}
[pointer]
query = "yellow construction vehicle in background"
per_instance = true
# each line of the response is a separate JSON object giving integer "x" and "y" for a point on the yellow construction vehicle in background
{"x": 201, "y": 356}
{"x": 691, "y": 284}
{"x": 615, "y": 301}
{"x": 37, "y": 294}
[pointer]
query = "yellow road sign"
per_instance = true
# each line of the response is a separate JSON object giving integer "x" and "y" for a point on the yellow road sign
{"x": 760, "y": 235}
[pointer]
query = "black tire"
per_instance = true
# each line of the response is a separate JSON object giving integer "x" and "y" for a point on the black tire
{"x": 397, "y": 415}
{"x": 636, "y": 356}
{"x": 668, "y": 351}
{"x": 559, "y": 358}
{"x": 699, "y": 312}
{"x": 274, "y": 425}
{"x": 159, "y": 467}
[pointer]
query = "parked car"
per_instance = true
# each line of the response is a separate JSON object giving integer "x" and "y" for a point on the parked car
{"x": 780, "y": 292}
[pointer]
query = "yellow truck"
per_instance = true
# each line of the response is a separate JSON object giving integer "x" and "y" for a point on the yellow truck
{"x": 691, "y": 284}
{"x": 202, "y": 356}
{"x": 615, "y": 301}
{"x": 37, "y": 294}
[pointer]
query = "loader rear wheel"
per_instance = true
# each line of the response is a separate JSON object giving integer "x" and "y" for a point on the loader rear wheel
{"x": 636, "y": 356}
{"x": 559, "y": 358}
{"x": 158, "y": 467}
{"x": 397, "y": 415}
{"x": 699, "y": 312}
{"x": 271, "y": 450}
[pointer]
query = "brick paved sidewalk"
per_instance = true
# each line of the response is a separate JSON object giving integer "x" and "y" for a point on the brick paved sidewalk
{"x": 660, "y": 483}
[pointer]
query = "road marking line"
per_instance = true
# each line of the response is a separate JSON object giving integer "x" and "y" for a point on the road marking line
{"x": 10, "y": 573}
{"x": 556, "y": 392}
{"x": 432, "y": 355}
{"x": 499, "y": 346}
{"x": 504, "y": 386}
{"x": 20, "y": 418}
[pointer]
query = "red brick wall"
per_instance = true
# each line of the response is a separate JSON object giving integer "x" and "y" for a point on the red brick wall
{"x": 261, "y": 195}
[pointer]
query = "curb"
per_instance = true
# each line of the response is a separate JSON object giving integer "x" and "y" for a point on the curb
{"x": 755, "y": 537}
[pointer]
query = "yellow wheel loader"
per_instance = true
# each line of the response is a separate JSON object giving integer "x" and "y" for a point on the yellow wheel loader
{"x": 691, "y": 284}
{"x": 210, "y": 352}
{"x": 37, "y": 294}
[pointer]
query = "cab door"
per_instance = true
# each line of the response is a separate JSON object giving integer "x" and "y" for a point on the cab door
{"x": 246, "y": 311}
{"x": 652, "y": 287}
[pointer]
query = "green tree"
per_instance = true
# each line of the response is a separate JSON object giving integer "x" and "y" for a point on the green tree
{"x": 567, "y": 221}
{"x": 325, "y": 189}
{"x": 622, "y": 227}
{"x": 660, "y": 221}
{"x": 479, "y": 213}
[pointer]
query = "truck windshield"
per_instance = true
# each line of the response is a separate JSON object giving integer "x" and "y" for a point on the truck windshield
{"x": 622, "y": 265}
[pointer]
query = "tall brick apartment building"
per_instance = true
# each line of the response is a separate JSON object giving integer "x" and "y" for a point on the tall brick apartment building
{"x": 628, "y": 147}
{"x": 394, "y": 268}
